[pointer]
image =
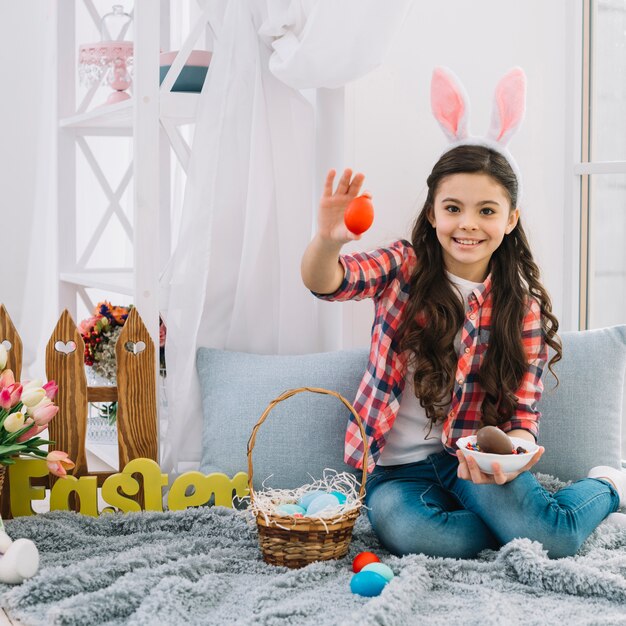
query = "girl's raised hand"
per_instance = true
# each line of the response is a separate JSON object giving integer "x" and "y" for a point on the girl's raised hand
{"x": 333, "y": 205}
{"x": 469, "y": 470}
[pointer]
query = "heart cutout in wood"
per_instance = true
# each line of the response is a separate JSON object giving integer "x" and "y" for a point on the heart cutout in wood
{"x": 135, "y": 348}
{"x": 65, "y": 348}
{"x": 7, "y": 344}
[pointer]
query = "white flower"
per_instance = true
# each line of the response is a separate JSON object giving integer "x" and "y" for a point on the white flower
{"x": 32, "y": 384}
{"x": 45, "y": 401}
{"x": 14, "y": 422}
{"x": 3, "y": 357}
{"x": 32, "y": 397}
{"x": 105, "y": 363}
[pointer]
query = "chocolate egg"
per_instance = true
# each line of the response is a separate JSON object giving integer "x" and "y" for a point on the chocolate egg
{"x": 492, "y": 439}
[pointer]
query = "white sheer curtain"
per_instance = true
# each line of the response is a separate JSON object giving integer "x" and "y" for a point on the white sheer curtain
{"x": 234, "y": 279}
{"x": 28, "y": 284}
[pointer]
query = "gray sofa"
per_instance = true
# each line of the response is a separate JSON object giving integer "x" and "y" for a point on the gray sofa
{"x": 580, "y": 425}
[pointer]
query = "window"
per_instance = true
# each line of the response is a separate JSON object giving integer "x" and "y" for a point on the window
{"x": 603, "y": 165}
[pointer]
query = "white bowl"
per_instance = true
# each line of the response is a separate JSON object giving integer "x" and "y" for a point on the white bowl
{"x": 508, "y": 462}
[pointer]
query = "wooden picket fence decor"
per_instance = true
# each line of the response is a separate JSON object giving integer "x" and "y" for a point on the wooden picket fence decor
{"x": 135, "y": 393}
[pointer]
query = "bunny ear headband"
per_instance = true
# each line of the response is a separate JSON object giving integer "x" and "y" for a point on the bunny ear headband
{"x": 450, "y": 106}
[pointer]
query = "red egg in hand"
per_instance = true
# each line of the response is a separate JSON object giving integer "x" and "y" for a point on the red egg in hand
{"x": 359, "y": 215}
{"x": 362, "y": 559}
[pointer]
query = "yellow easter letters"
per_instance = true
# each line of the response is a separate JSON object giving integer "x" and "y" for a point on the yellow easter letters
{"x": 188, "y": 490}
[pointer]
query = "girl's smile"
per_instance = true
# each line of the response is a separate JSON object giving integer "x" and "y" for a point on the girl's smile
{"x": 472, "y": 214}
{"x": 467, "y": 242}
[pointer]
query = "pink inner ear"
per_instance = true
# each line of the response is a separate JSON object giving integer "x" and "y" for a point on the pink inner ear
{"x": 510, "y": 98}
{"x": 446, "y": 101}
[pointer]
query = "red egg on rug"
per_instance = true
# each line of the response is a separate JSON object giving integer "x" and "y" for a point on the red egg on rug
{"x": 362, "y": 559}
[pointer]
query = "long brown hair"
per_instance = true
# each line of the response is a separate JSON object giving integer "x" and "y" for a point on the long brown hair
{"x": 515, "y": 278}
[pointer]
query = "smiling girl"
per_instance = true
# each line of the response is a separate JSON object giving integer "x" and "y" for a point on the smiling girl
{"x": 471, "y": 217}
{"x": 460, "y": 340}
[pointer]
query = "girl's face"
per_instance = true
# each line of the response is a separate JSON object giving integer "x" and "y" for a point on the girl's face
{"x": 472, "y": 214}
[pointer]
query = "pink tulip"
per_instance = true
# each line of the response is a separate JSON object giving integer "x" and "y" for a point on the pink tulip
{"x": 51, "y": 389}
{"x": 5, "y": 399}
{"x": 44, "y": 414}
{"x": 10, "y": 396}
{"x": 6, "y": 379}
{"x": 58, "y": 462}
{"x": 31, "y": 432}
{"x": 16, "y": 393}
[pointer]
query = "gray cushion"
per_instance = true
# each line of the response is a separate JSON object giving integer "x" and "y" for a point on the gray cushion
{"x": 581, "y": 419}
{"x": 301, "y": 436}
{"x": 580, "y": 427}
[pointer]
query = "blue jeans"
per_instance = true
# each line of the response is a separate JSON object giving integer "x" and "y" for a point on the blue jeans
{"x": 424, "y": 507}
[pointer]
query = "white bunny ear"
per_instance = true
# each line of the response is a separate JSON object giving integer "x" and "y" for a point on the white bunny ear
{"x": 509, "y": 106}
{"x": 449, "y": 103}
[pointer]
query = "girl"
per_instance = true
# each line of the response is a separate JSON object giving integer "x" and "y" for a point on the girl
{"x": 460, "y": 340}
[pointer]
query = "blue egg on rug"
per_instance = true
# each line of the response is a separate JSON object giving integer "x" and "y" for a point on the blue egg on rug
{"x": 379, "y": 568}
{"x": 368, "y": 584}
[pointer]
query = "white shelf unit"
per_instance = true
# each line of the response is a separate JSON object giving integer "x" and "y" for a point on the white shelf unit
{"x": 119, "y": 281}
{"x": 152, "y": 120}
{"x": 179, "y": 108}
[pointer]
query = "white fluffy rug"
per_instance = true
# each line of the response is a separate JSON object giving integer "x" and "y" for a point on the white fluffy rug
{"x": 203, "y": 566}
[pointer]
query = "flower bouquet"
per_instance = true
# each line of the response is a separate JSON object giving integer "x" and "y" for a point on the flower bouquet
{"x": 25, "y": 411}
{"x": 100, "y": 333}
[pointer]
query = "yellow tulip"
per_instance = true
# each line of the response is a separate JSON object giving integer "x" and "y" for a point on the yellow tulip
{"x": 33, "y": 384}
{"x": 14, "y": 422}
{"x": 32, "y": 397}
{"x": 45, "y": 401}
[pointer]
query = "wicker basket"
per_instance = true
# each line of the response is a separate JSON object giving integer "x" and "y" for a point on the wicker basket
{"x": 296, "y": 542}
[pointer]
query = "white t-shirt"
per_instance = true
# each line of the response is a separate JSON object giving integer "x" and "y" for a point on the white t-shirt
{"x": 406, "y": 441}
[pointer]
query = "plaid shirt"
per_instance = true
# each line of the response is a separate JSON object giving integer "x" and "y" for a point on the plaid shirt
{"x": 383, "y": 275}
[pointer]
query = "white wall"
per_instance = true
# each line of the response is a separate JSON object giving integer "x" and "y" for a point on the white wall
{"x": 393, "y": 138}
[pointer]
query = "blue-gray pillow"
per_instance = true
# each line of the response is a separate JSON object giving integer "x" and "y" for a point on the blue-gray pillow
{"x": 582, "y": 418}
{"x": 301, "y": 436}
{"x": 580, "y": 426}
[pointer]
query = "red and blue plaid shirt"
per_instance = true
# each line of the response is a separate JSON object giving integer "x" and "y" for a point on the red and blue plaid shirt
{"x": 383, "y": 275}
